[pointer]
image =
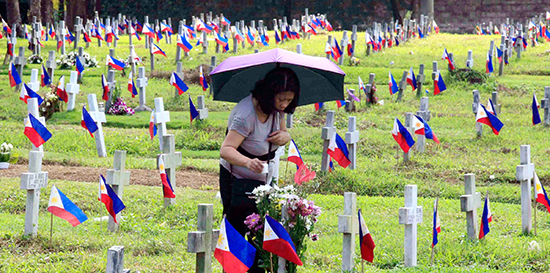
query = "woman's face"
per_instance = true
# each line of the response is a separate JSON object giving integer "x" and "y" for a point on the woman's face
{"x": 283, "y": 99}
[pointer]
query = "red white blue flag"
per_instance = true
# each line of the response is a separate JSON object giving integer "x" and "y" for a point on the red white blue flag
{"x": 178, "y": 83}
{"x": 402, "y": 136}
{"x": 15, "y": 79}
{"x": 485, "y": 117}
{"x": 27, "y": 93}
{"x": 338, "y": 150}
{"x": 294, "y": 155}
{"x": 366, "y": 243}
{"x": 37, "y": 132}
{"x": 60, "y": 90}
{"x": 167, "y": 189}
{"x": 233, "y": 251}
{"x": 108, "y": 197}
{"x": 155, "y": 49}
{"x": 486, "y": 218}
{"x": 439, "y": 84}
{"x": 421, "y": 127}
{"x": 116, "y": 64}
{"x": 105, "y": 88}
{"x": 202, "y": 80}
{"x": 535, "y": 109}
{"x": 411, "y": 79}
{"x": 540, "y": 193}
{"x": 87, "y": 122}
{"x": 45, "y": 77}
{"x": 132, "y": 86}
{"x": 61, "y": 206}
{"x": 448, "y": 58}
{"x": 392, "y": 84}
{"x": 193, "y": 113}
{"x": 436, "y": 229}
{"x": 278, "y": 241}
{"x": 183, "y": 43}
{"x": 152, "y": 126}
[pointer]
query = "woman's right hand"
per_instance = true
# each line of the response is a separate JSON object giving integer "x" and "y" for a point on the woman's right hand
{"x": 255, "y": 165}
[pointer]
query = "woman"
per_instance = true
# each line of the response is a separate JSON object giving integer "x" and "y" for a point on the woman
{"x": 255, "y": 129}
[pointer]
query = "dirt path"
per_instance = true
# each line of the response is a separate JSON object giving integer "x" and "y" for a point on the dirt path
{"x": 191, "y": 179}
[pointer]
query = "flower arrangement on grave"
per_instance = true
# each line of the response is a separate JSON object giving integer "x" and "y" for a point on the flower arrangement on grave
{"x": 119, "y": 107}
{"x": 354, "y": 61}
{"x": 51, "y": 103}
{"x": 300, "y": 218}
{"x": 35, "y": 59}
{"x": 68, "y": 61}
{"x": 5, "y": 152}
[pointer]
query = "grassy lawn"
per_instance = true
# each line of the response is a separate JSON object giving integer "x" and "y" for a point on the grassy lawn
{"x": 155, "y": 238}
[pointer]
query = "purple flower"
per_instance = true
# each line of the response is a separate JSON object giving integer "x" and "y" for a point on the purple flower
{"x": 253, "y": 222}
{"x": 314, "y": 237}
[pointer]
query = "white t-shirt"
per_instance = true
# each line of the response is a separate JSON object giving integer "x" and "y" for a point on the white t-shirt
{"x": 243, "y": 120}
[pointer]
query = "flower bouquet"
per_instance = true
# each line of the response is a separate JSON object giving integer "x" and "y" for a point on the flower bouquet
{"x": 5, "y": 155}
{"x": 119, "y": 107}
{"x": 295, "y": 213}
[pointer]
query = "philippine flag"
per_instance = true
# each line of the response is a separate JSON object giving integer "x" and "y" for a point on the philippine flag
{"x": 14, "y": 76}
{"x": 328, "y": 48}
{"x": 36, "y": 131}
{"x": 109, "y": 35}
{"x": 249, "y": 37}
{"x": 362, "y": 85}
{"x": 294, "y": 155}
{"x": 336, "y": 51}
{"x": 436, "y": 28}
{"x": 60, "y": 90}
{"x": 105, "y": 88}
{"x": 439, "y": 84}
{"x": 392, "y": 84}
{"x": 148, "y": 31}
{"x": 45, "y": 77}
{"x": 541, "y": 193}
{"x": 184, "y": 44}
{"x": 446, "y": 57}
{"x": 277, "y": 38}
{"x": 166, "y": 28}
{"x": 86, "y": 37}
{"x": 116, "y": 64}
{"x": 193, "y": 113}
{"x": 79, "y": 66}
{"x": 421, "y": 127}
{"x": 201, "y": 26}
{"x": 350, "y": 50}
{"x": 436, "y": 224}
{"x": 535, "y": 108}
{"x": 222, "y": 41}
{"x": 238, "y": 34}
{"x": 411, "y": 79}
{"x": 178, "y": 83}
{"x": 486, "y": 218}
{"x": 202, "y": 80}
{"x": 483, "y": 116}
{"x": 132, "y": 86}
{"x": 6, "y": 27}
{"x": 27, "y": 93}
{"x": 225, "y": 22}
{"x": 87, "y": 122}
{"x": 491, "y": 107}
{"x": 489, "y": 64}
{"x": 278, "y": 241}
{"x": 365, "y": 240}
{"x": 340, "y": 103}
{"x": 155, "y": 49}
{"x": 233, "y": 251}
{"x": 318, "y": 106}
{"x": 338, "y": 150}
{"x": 62, "y": 207}
{"x": 166, "y": 185}
{"x": 402, "y": 136}
{"x": 499, "y": 55}
{"x": 108, "y": 197}
{"x": 134, "y": 32}
{"x": 152, "y": 126}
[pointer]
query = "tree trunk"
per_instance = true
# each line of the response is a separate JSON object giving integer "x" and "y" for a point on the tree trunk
{"x": 395, "y": 11}
{"x": 69, "y": 13}
{"x": 14, "y": 16}
{"x": 61, "y": 10}
{"x": 35, "y": 10}
{"x": 47, "y": 12}
{"x": 97, "y": 8}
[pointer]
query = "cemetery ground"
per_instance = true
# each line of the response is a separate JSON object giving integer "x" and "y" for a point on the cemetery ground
{"x": 155, "y": 238}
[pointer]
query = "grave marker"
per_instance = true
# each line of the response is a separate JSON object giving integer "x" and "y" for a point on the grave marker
{"x": 172, "y": 160}
{"x": 179, "y": 72}
{"x": 115, "y": 260}
{"x": 451, "y": 57}
{"x": 410, "y": 127}
{"x": 34, "y": 179}
{"x": 145, "y": 24}
{"x": 410, "y": 216}
{"x": 494, "y": 98}
{"x": 62, "y": 31}
{"x": 299, "y": 49}
{"x": 50, "y": 64}
{"x": 77, "y": 28}
{"x": 475, "y": 106}
{"x": 353, "y": 39}
{"x": 348, "y": 225}
{"x": 501, "y": 63}
{"x": 350, "y": 102}
{"x": 329, "y": 41}
{"x": 469, "y": 202}
{"x": 112, "y": 84}
{"x": 99, "y": 118}
{"x": 343, "y": 45}
{"x": 434, "y": 70}
{"x": 82, "y": 61}
{"x": 524, "y": 174}
{"x": 470, "y": 61}
{"x": 132, "y": 59}
{"x": 204, "y": 43}
{"x": 545, "y": 104}
{"x": 20, "y": 62}
{"x": 203, "y": 241}
{"x": 368, "y": 90}
{"x": 201, "y": 108}
{"x": 424, "y": 111}
{"x": 402, "y": 85}
{"x": 117, "y": 178}
{"x": 141, "y": 83}
{"x": 326, "y": 134}
{"x": 352, "y": 137}
{"x": 420, "y": 81}
{"x": 72, "y": 88}
{"x": 34, "y": 84}
{"x": 161, "y": 117}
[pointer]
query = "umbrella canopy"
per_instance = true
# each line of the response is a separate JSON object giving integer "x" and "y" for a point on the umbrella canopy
{"x": 320, "y": 79}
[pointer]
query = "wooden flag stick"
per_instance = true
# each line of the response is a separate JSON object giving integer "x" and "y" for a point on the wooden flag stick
{"x": 535, "y": 211}
{"x": 51, "y": 229}
{"x": 362, "y": 265}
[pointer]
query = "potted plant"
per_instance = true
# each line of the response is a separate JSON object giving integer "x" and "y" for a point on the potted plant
{"x": 5, "y": 155}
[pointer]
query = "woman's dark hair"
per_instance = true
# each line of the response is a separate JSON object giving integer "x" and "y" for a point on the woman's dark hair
{"x": 277, "y": 81}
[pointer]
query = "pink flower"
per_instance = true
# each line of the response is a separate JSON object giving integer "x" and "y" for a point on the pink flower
{"x": 314, "y": 237}
{"x": 253, "y": 222}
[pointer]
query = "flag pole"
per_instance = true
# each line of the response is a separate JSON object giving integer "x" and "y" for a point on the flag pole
{"x": 51, "y": 228}
{"x": 362, "y": 265}
{"x": 535, "y": 211}
{"x": 433, "y": 247}
{"x": 271, "y": 261}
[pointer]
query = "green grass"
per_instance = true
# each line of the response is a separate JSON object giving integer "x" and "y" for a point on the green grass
{"x": 378, "y": 180}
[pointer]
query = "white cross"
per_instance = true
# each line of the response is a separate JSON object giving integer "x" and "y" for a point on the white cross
{"x": 352, "y": 137}
{"x": 203, "y": 242}
{"x": 410, "y": 216}
{"x": 32, "y": 107}
{"x": 469, "y": 204}
{"x": 50, "y": 63}
{"x": 348, "y": 225}
{"x": 172, "y": 160}
{"x": 72, "y": 88}
{"x": 201, "y": 108}
{"x": 33, "y": 181}
{"x": 117, "y": 177}
{"x": 99, "y": 118}
{"x": 141, "y": 83}
{"x": 34, "y": 84}
{"x": 161, "y": 117}
{"x": 326, "y": 134}
{"x": 524, "y": 174}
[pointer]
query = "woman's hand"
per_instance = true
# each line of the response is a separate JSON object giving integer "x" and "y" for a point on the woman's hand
{"x": 279, "y": 138}
{"x": 255, "y": 165}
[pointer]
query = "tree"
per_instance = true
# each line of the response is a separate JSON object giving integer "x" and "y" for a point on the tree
{"x": 36, "y": 6}
{"x": 47, "y": 11}
{"x": 14, "y": 15}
